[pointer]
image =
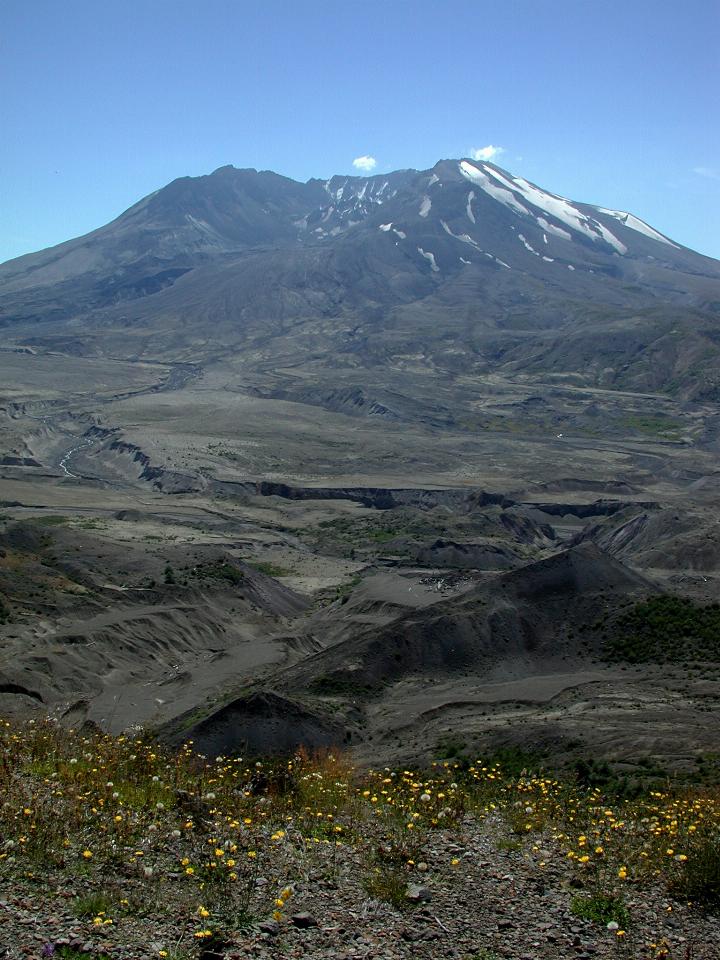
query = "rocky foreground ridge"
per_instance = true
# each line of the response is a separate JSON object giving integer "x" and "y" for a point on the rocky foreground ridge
{"x": 111, "y": 849}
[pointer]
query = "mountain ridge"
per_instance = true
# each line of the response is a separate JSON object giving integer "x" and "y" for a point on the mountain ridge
{"x": 464, "y": 260}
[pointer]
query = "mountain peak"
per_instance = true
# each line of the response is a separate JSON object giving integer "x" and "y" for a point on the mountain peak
{"x": 468, "y": 233}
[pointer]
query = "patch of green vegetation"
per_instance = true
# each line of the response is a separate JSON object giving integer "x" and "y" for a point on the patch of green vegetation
{"x": 698, "y": 878}
{"x": 92, "y": 904}
{"x": 269, "y": 568}
{"x": 337, "y": 685}
{"x": 353, "y": 533}
{"x": 383, "y": 536}
{"x": 220, "y": 570}
{"x": 345, "y": 589}
{"x": 666, "y": 629}
{"x": 515, "y": 761}
{"x": 451, "y": 748}
{"x": 388, "y": 884}
{"x": 508, "y": 843}
{"x": 653, "y": 426}
{"x": 68, "y": 953}
{"x": 592, "y": 773}
{"x": 601, "y": 908}
{"x": 89, "y": 523}
{"x": 52, "y": 520}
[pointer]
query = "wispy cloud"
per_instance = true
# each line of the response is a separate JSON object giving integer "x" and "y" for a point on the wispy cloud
{"x": 708, "y": 172}
{"x": 365, "y": 163}
{"x": 486, "y": 153}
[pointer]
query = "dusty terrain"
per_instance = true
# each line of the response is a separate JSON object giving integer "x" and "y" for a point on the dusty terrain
{"x": 419, "y": 463}
{"x": 171, "y": 541}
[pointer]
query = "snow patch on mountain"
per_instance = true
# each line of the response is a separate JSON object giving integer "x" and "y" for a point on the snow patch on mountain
{"x": 476, "y": 176}
{"x": 399, "y": 233}
{"x": 425, "y": 206}
{"x": 552, "y": 229}
{"x": 559, "y": 208}
{"x": 635, "y": 223}
{"x": 431, "y": 257}
{"x": 527, "y": 246}
{"x": 463, "y": 237}
{"x": 468, "y": 206}
{"x": 385, "y": 227}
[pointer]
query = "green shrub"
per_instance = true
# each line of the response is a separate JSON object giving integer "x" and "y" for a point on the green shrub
{"x": 389, "y": 885}
{"x": 698, "y": 878}
{"x": 601, "y": 908}
{"x": 666, "y": 628}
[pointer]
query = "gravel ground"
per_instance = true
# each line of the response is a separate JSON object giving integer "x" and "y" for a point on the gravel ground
{"x": 469, "y": 898}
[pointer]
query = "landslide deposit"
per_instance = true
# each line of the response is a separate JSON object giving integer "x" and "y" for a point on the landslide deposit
{"x": 419, "y": 464}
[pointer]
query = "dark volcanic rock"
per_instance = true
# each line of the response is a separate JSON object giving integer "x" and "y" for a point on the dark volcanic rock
{"x": 262, "y": 723}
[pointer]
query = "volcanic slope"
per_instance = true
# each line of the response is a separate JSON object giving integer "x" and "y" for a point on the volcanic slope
{"x": 315, "y": 454}
{"x": 461, "y": 268}
{"x": 514, "y": 661}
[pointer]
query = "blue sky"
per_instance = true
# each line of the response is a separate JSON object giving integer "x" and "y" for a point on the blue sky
{"x": 612, "y": 102}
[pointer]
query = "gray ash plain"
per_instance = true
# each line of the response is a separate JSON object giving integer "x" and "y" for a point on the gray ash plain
{"x": 309, "y": 488}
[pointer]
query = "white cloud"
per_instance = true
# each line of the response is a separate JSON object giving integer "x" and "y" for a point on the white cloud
{"x": 365, "y": 163}
{"x": 707, "y": 172}
{"x": 486, "y": 153}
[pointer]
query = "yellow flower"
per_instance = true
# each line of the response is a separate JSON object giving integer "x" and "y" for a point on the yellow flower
{"x": 203, "y": 912}
{"x": 87, "y": 854}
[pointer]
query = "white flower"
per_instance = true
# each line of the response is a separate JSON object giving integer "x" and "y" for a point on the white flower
{"x": 156, "y": 779}
{"x": 176, "y": 833}
{"x": 116, "y": 795}
{"x": 73, "y": 760}
{"x": 612, "y": 926}
{"x": 159, "y": 805}
{"x": 425, "y": 797}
